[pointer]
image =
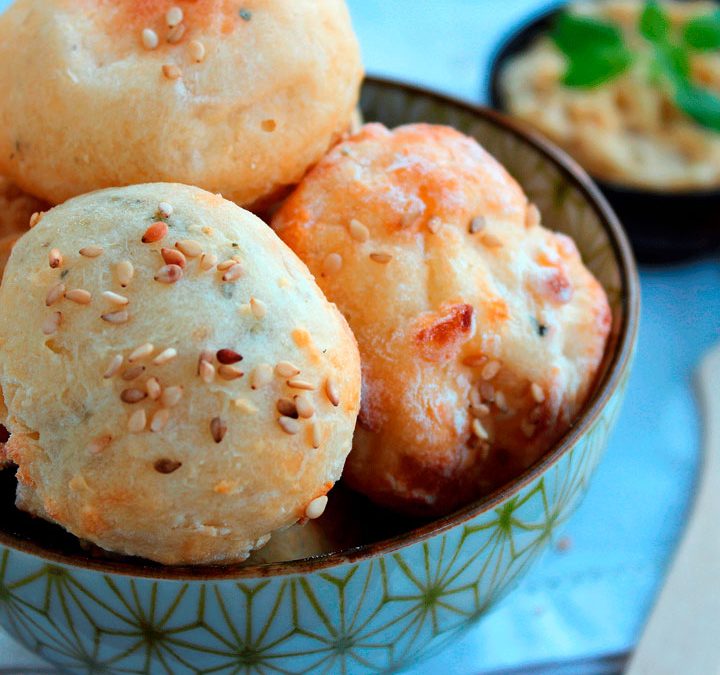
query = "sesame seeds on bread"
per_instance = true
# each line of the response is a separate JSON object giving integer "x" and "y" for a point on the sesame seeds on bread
{"x": 175, "y": 383}
{"x": 480, "y": 331}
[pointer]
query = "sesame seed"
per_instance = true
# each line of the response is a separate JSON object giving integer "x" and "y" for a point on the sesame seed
{"x": 114, "y": 366}
{"x": 164, "y": 356}
{"x": 434, "y": 224}
{"x": 228, "y": 356}
{"x": 258, "y": 308}
{"x": 332, "y": 264}
{"x": 54, "y": 294}
{"x": 218, "y": 429}
{"x": 382, "y": 258}
{"x": 35, "y": 218}
{"x": 208, "y": 261}
{"x": 52, "y": 323}
{"x": 479, "y": 430}
{"x": 476, "y": 224}
{"x": 132, "y": 395}
{"x": 475, "y": 399}
{"x": 490, "y": 370}
{"x": 289, "y": 425}
{"x": 358, "y": 231}
{"x": 167, "y": 466}
{"x": 331, "y": 392}
{"x": 244, "y": 405}
{"x": 225, "y": 265}
{"x": 176, "y": 34}
{"x": 532, "y": 216}
{"x": 480, "y": 410}
{"x": 474, "y": 360}
{"x": 169, "y": 274}
{"x": 141, "y": 352}
{"x": 304, "y": 406}
{"x": 171, "y": 71}
{"x": 286, "y": 407}
{"x": 316, "y": 507}
{"x": 116, "y": 317}
{"x": 99, "y": 444}
{"x": 205, "y": 355}
{"x": 197, "y": 51}
{"x": 490, "y": 240}
{"x": 537, "y": 392}
{"x": 150, "y": 38}
{"x": 159, "y": 420}
{"x": 501, "y": 401}
{"x": 153, "y": 388}
{"x": 79, "y": 296}
{"x": 165, "y": 209}
{"x": 487, "y": 391}
{"x": 125, "y": 272}
{"x": 189, "y": 248}
{"x": 207, "y": 372}
{"x": 528, "y": 428}
{"x": 229, "y": 372}
{"x": 91, "y": 251}
{"x": 173, "y": 257}
{"x": 286, "y": 369}
{"x": 261, "y": 375}
{"x": 115, "y": 298}
{"x": 234, "y": 273}
{"x": 133, "y": 373}
{"x": 55, "y": 258}
{"x": 156, "y": 232}
{"x": 294, "y": 383}
{"x": 171, "y": 396}
{"x": 137, "y": 422}
{"x": 315, "y": 435}
{"x": 174, "y": 16}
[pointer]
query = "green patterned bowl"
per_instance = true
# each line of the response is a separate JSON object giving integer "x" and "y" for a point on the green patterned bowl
{"x": 379, "y": 593}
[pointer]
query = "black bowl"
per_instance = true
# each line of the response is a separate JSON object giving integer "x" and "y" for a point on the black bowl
{"x": 664, "y": 226}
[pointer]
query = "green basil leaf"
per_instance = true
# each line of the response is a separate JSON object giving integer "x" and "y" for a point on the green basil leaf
{"x": 703, "y": 32}
{"x": 700, "y": 104}
{"x": 673, "y": 62}
{"x": 592, "y": 68}
{"x": 572, "y": 34}
{"x": 654, "y": 23}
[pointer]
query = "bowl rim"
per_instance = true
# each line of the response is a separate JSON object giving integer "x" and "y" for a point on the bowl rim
{"x": 503, "y": 51}
{"x": 603, "y": 392}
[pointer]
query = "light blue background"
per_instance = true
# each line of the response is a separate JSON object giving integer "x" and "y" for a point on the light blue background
{"x": 592, "y": 598}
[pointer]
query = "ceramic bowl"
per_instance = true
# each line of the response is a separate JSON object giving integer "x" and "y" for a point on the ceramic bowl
{"x": 395, "y": 590}
{"x": 664, "y": 225}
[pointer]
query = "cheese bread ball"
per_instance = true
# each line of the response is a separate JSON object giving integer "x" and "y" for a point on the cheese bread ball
{"x": 235, "y": 97}
{"x": 480, "y": 331}
{"x": 175, "y": 384}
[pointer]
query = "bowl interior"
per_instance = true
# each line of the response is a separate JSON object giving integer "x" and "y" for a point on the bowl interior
{"x": 352, "y": 527}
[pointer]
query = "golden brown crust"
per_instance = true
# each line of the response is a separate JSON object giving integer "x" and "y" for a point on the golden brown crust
{"x": 180, "y": 456}
{"x": 480, "y": 331}
{"x": 246, "y": 119}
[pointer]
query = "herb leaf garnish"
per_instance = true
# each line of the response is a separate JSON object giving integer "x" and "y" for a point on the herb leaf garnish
{"x": 703, "y": 32}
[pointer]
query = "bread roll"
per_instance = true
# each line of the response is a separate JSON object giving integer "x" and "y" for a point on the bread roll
{"x": 176, "y": 385}
{"x": 235, "y": 97}
{"x": 480, "y": 331}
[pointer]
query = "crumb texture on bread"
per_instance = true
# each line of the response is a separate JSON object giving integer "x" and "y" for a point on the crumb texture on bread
{"x": 480, "y": 330}
{"x": 175, "y": 383}
{"x": 237, "y": 98}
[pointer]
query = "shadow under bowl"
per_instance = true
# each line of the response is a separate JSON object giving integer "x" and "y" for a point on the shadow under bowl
{"x": 391, "y": 591}
{"x": 664, "y": 226}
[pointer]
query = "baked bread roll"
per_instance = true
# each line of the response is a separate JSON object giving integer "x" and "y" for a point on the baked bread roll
{"x": 480, "y": 331}
{"x": 176, "y": 385}
{"x": 235, "y": 97}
